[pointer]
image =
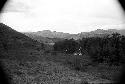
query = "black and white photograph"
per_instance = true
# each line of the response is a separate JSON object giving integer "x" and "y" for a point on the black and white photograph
{"x": 62, "y": 42}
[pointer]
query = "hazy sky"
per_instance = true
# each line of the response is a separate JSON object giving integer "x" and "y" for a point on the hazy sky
{"x": 70, "y": 16}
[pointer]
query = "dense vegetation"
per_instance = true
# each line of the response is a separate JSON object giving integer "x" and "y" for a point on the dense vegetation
{"x": 109, "y": 49}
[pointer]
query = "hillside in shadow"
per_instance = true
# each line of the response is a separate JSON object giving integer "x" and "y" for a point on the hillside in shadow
{"x": 11, "y": 40}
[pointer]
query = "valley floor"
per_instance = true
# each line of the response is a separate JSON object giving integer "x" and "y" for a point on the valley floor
{"x": 36, "y": 69}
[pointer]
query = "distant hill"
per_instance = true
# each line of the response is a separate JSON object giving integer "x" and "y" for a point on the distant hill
{"x": 43, "y": 39}
{"x": 12, "y": 40}
{"x": 96, "y": 33}
{"x": 121, "y": 31}
{"x": 48, "y": 36}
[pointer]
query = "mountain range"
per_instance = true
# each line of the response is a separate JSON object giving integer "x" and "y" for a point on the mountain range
{"x": 53, "y": 36}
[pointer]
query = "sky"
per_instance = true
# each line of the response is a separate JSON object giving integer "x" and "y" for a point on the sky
{"x": 70, "y": 16}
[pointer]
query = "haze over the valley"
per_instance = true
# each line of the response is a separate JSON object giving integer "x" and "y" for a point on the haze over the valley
{"x": 69, "y": 16}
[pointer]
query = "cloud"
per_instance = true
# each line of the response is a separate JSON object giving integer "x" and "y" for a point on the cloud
{"x": 65, "y": 15}
{"x": 16, "y": 6}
